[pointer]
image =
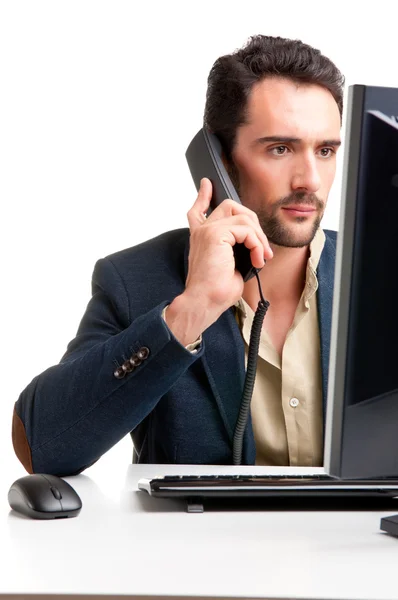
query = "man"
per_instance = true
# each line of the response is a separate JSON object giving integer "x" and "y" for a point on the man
{"x": 160, "y": 351}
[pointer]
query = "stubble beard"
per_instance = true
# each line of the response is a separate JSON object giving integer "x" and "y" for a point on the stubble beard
{"x": 280, "y": 233}
{"x": 275, "y": 230}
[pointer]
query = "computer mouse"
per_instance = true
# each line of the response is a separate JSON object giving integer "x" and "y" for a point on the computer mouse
{"x": 42, "y": 496}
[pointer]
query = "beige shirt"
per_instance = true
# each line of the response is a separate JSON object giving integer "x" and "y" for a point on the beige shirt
{"x": 286, "y": 405}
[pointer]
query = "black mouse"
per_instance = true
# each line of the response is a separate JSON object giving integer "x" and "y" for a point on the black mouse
{"x": 42, "y": 496}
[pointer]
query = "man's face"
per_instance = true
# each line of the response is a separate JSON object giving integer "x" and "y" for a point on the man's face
{"x": 285, "y": 158}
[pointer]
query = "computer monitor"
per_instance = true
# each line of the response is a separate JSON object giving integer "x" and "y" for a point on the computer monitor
{"x": 361, "y": 433}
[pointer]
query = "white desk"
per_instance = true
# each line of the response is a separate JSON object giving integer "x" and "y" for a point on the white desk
{"x": 125, "y": 542}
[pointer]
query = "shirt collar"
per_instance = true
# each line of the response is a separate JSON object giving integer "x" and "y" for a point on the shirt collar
{"x": 316, "y": 247}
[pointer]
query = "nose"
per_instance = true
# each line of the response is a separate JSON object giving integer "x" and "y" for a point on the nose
{"x": 306, "y": 175}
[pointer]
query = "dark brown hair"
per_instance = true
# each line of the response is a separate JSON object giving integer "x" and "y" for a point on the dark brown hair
{"x": 232, "y": 77}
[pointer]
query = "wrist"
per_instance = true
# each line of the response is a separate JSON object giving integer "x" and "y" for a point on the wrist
{"x": 187, "y": 319}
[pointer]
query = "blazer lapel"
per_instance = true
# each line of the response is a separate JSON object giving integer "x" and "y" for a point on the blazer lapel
{"x": 325, "y": 302}
{"x": 224, "y": 360}
{"x": 224, "y": 364}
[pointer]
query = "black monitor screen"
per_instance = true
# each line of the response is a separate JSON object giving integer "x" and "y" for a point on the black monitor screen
{"x": 362, "y": 420}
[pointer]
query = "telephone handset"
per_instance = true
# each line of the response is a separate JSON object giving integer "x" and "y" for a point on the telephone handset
{"x": 204, "y": 160}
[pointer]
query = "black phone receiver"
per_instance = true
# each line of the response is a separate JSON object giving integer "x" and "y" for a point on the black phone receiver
{"x": 204, "y": 160}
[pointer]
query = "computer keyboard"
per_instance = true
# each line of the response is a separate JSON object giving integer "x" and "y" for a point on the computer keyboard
{"x": 248, "y": 478}
{"x": 266, "y": 486}
{"x": 244, "y": 484}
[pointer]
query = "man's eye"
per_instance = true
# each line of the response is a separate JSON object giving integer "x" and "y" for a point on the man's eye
{"x": 326, "y": 152}
{"x": 279, "y": 150}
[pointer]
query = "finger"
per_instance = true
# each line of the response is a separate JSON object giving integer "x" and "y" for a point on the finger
{"x": 245, "y": 220}
{"x": 232, "y": 208}
{"x": 197, "y": 214}
{"x": 240, "y": 234}
{"x": 229, "y": 207}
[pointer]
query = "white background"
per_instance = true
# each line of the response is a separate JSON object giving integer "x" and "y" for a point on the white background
{"x": 98, "y": 102}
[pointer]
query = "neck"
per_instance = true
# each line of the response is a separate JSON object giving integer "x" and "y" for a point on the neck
{"x": 282, "y": 278}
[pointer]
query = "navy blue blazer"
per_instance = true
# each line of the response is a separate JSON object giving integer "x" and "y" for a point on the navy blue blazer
{"x": 179, "y": 407}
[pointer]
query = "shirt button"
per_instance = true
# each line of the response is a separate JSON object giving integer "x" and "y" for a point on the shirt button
{"x": 294, "y": 402}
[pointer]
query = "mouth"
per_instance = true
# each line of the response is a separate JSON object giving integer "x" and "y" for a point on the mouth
{"x": 300, "y": 211}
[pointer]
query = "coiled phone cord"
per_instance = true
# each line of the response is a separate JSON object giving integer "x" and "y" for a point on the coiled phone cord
{"x": 251, "y": 368}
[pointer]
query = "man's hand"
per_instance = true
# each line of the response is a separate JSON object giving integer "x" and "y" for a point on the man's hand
{"x": 213, "y": 284}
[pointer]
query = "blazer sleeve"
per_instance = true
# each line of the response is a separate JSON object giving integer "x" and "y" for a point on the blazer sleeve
{"x": 73, "y": 412}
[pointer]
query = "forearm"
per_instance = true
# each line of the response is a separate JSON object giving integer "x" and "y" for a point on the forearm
{"x": 75, "y": 411}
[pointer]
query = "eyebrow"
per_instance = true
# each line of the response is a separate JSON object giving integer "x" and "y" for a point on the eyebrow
{"x": 291, "y": 140}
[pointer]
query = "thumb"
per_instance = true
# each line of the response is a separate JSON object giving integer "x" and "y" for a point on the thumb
{"x": 197, "y": 213}
{"x": 204, "y": 195}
